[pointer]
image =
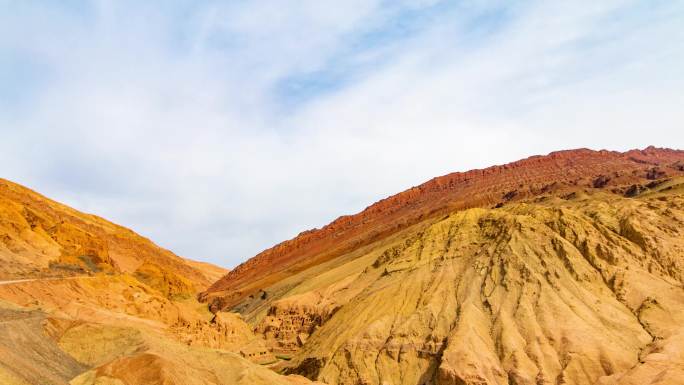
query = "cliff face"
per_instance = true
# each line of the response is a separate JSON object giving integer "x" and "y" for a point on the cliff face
{"x": 290, "y": 321}
{"x": 554, "y": 173}
{"x": 564, "y": 269}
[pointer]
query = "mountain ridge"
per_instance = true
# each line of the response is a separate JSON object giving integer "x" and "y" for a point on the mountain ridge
{"x": 55, "y": 239}
{"x": 564, "y": 269}
{"x": 566, "y": 169}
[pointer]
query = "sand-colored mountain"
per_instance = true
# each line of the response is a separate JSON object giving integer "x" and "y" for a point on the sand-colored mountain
{"x": 86, "y": 302}
{"x": 40, "y": 238}
{"x": 565, "y": 269}
{"x": 558, "y": 172}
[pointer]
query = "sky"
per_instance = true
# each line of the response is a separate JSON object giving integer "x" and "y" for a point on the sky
{"x": 220, "y": 128}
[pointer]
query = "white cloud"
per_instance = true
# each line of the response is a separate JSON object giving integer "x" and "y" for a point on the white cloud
{"x": 174, "y": 121}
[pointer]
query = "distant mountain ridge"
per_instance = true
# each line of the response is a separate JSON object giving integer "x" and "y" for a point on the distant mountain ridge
{"x": 40, "y": 237}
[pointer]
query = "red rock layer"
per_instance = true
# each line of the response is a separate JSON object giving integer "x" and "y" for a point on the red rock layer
{"x": 557, "y": 172}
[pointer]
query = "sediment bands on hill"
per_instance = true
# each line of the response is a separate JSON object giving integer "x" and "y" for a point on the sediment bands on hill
{"x": 564, "y": 269}
{"x": 42, "y": 238}
{"x": 86, "y": 302}
{"x": 530, "y": 294}
{"x": 553, "y": 173}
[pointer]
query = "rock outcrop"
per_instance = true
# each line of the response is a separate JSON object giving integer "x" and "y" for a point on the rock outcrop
{"x": 226, "y": 331}
{"x": 290, "y": 322}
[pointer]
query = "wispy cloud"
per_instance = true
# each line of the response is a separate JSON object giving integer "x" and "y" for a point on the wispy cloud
{"x": 219, "y": 129}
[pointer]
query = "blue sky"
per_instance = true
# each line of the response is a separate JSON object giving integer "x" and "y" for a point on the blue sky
{"x": 221, "y": 128}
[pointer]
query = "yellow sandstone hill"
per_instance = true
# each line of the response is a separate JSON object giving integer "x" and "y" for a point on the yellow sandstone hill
{"x": 560, "y": 269}
{"x": 567, "y": 292}
{"x": 86, "y": 302}
{"x": 41, "y": 238}
{"x": 579, "y": 282}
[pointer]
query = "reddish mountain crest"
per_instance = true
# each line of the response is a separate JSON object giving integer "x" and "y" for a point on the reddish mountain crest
{"x": 554, "y": 173}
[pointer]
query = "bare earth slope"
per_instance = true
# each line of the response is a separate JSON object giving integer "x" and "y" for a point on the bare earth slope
{"x": 86, "y": 302}
{"x": 554, "y": 173}
{"x": 565, "y": 269}
{"x": 40, "y": 237}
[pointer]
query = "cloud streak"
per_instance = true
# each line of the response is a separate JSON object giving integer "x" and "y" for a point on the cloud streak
{"x": 220, "y": 129}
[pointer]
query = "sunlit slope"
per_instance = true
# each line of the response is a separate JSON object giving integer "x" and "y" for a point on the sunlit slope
{"x": 87, "y": 302}
{"x": 41, "y": 238}
{"x": 556, "y": 289}
{"x": 557, "y": 173}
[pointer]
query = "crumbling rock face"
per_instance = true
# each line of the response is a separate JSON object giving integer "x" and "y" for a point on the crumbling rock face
{"x": 634, "y": 190}
{"x": 167, "y": 282}
{"x": 601, "y": 181}
{"x": 80, "y": 250}
{"x": 656, "y": 173}
{"x": 226, "y": 331}
{"x": 290, "y": 322}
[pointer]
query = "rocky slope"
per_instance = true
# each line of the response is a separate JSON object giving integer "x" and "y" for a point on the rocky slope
{"x": 86, "y": 302}
{"x": 564, "y": 269}
{"x": 40, "y": 348}
{"x": 558, "y": 172}
{"x": 40, "y": 238}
